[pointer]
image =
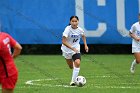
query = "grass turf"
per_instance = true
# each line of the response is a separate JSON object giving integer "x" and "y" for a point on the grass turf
{"x": 50, "y": 74}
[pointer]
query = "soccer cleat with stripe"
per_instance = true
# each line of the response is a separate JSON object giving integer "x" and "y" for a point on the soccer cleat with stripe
{"x": 72, "y": 84}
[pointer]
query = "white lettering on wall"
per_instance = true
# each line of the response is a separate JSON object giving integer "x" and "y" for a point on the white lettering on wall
{"x": 121, "y": 18}
{"x": 80, "y": 13}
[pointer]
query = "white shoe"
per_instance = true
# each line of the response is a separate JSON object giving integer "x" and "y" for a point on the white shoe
{"x": 132, "y": 68}
{"x": 72, "y": 83}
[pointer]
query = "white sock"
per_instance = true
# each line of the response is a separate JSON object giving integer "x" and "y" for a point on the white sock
{"x": 134, "y": 63}
{"x": 75, "y": 73}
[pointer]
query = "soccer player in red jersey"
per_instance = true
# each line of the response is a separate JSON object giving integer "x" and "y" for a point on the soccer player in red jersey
{"x": 8, "y": 70}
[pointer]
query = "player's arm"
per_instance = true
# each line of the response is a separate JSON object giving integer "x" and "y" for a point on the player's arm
{"x": 17, "y": 50}
{"x": 134, "y": 36}
{"x": 85, "y": 43}
{"x": 64, "y": 42}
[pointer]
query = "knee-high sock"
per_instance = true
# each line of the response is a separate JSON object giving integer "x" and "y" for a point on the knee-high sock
{"x": 75, "y": 73}
{"x": 134, "y": 63}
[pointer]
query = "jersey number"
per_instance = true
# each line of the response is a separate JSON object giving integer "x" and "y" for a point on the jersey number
{"x": 75, "y": 40}
{"x": 8, "y": 46}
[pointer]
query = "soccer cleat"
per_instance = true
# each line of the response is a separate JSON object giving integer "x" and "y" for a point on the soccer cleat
{"x": 132, "y": 68}
{"x": 72, "y": 84}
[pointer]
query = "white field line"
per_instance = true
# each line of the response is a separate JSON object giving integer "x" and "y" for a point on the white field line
{"x": 107, "y": 76}
{"x": 117, "y": 87}
{"x": 31, "y": 82}
{"x": 102, "y": 86}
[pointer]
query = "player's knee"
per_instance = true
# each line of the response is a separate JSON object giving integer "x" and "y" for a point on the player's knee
{"x": 138, "y": 61}
{"x": 76, "y": 56}
{"x": 77, "y": 63}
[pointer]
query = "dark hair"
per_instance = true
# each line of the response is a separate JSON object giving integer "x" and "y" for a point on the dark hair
{"x": 73, "y": 17}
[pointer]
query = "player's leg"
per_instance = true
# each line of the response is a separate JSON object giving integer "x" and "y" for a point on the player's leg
{"x": 135, "y": 62}
{"x": 68, "y": 58}
{"x": 137, "y": 56}
{"x": 70, "y": 63}
{"x": 9, "y": 83}
{"x": 7, "y": 90}
{"x": 71, "y": 66}
{"x": 76, "y": 58}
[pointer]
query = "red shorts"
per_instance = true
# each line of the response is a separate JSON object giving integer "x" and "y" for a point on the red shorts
{"x": 9, "y": 82}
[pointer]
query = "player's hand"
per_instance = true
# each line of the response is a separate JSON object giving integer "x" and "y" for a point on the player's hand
{"x": 137, "y": 39}
{"x": 86, "y": 48}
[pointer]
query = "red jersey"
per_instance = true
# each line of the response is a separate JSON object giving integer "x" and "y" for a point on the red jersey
{"x": 7, "y": 66}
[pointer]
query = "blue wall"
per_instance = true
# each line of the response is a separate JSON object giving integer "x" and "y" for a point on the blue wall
{"x": 43, "y": 21}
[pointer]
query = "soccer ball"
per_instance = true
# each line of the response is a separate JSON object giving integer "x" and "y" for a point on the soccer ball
{"x": 80, "y": 81}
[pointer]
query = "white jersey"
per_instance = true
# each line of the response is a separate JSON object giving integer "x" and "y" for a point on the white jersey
{"x": 136, "y": 30}
{"x": 73, "y": 38}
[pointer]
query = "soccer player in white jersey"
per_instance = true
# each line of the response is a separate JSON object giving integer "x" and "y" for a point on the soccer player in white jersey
{"x": 71, "y": 47}
{"x": 135, "y": 34}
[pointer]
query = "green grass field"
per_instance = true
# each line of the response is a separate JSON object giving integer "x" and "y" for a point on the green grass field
{"x": 50, "y": 74}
